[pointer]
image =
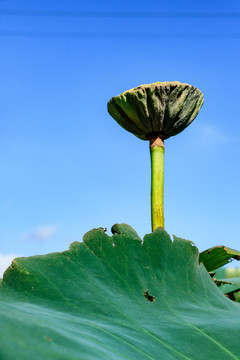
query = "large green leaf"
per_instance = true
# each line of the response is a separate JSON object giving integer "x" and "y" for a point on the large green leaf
{"x": 92, "y": 302}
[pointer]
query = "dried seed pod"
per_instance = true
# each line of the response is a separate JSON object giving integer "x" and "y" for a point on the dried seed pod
{"x": 162, "y": 108}
{"x": 155, "y": 112}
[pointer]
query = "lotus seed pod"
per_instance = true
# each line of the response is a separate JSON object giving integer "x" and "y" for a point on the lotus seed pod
{"x": 162, "y": 108}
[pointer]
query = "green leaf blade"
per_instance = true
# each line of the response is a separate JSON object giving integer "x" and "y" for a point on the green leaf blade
{"x": 218, "y": 256}
{"x": 88, "y": 302}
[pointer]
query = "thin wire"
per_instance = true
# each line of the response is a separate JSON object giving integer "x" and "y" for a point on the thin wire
{"x": 119, "y": 35}
{"x": 121, "y": 14}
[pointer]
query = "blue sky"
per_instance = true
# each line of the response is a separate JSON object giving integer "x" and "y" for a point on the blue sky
{"x": 68, "y": 167}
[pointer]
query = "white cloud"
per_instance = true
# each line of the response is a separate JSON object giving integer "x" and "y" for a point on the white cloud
{"x": 40, "y": 233}
{"x": 214, "y": 135}
{"x": 5, "y": 262}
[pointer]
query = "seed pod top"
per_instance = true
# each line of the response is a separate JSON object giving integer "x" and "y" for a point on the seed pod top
{"x": 161, "y": 108}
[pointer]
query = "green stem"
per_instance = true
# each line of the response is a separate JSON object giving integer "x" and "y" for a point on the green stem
{"x": 157, "y": 180}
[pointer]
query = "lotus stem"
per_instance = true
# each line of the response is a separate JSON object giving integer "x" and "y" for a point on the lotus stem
{"x": 157, "y": 181}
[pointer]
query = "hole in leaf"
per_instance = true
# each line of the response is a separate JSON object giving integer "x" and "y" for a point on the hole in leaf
{"x": 149, "y": 297}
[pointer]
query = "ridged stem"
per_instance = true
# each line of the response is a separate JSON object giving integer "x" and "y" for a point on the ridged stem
{"x": 157, "y": 181}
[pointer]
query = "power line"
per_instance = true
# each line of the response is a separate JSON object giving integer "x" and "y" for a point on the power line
{"x": 121, "y": 14}
{"x": 103, "y": 35}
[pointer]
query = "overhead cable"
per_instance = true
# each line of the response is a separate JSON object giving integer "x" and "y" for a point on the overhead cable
{"x": 108, "y": 35}
{"x": 121, "y": 14}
